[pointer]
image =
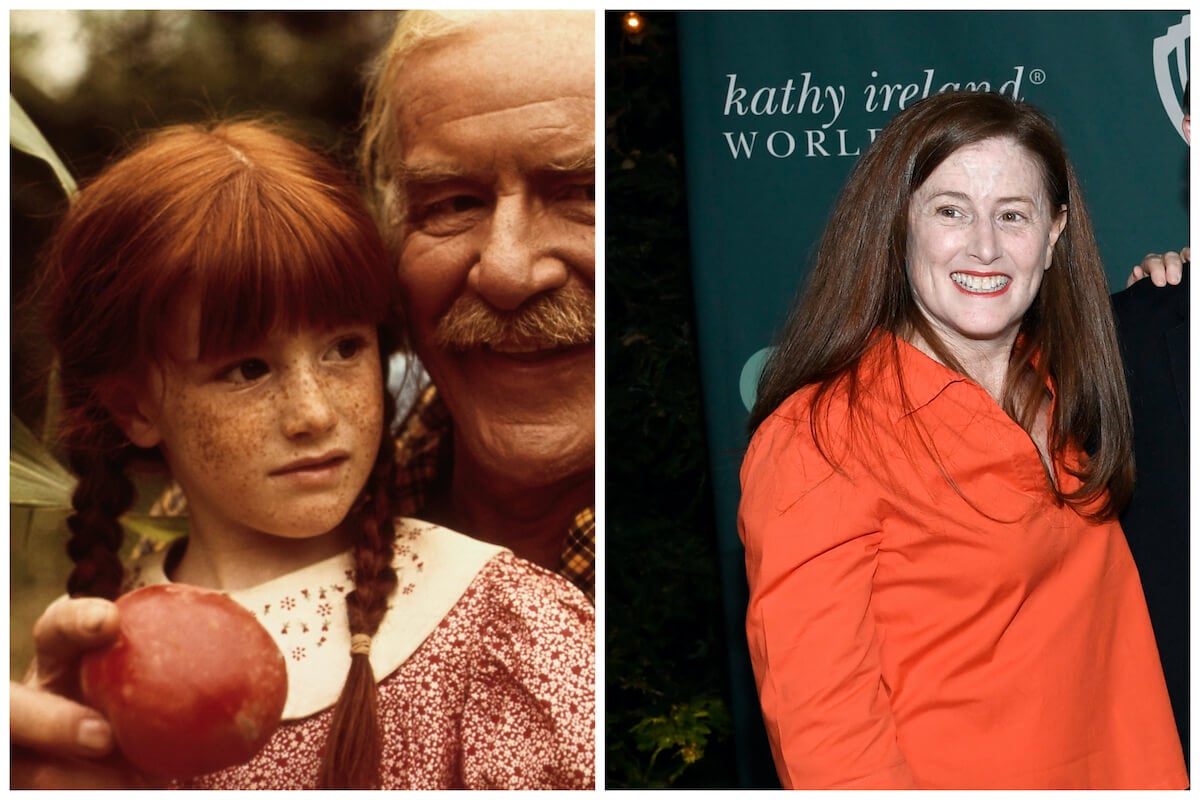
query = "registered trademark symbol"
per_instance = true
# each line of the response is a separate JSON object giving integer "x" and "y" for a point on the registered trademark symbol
{"x": 1037, "y": 76}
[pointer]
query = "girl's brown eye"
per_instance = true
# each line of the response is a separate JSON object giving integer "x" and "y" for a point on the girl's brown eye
{"x": 246, "y": 371}
{"x": 349, "y": 348}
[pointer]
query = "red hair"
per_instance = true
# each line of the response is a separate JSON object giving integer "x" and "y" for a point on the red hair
{"x": 265, "y": 233}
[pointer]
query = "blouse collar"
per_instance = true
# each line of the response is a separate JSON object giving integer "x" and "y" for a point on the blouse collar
{"x": 305, "y": 611}
{"x": 924, "y": 378}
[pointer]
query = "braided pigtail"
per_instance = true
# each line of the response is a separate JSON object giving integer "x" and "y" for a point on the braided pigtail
{"x": 104, "y": 493}
{"x": 353, "y": 751}
{"x": 98, "y": 453}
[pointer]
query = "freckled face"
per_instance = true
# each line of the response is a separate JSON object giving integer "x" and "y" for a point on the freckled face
{"x": 981, "y": 234}
{"x": 498, "y": 149}
{"x": 278, "y": 440}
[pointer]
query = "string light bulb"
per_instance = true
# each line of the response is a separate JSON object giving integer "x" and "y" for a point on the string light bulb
{"x": 633, "y": 23}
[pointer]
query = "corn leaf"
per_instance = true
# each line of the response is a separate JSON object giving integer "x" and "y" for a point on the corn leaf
{"x": 26, "y": 137}
{"x": 36, "y": 479}
{"x": 155, "y": 529}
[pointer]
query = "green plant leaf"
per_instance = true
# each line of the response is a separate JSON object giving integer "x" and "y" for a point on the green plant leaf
{"x": 26, "y": 137}
{"x": 36, "y": 478}
{"x": 38, "y": 481}
{"x": 682, "y": 734}
{"x": 156, "y": 529}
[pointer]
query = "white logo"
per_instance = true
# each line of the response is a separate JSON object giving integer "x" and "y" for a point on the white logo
{"x": 1171, "y": 69}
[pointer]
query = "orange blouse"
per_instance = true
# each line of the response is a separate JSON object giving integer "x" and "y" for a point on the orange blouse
{"x": 905, "y": 634}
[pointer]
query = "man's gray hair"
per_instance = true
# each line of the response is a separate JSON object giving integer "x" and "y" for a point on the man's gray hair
{"x": 381, "y": 147}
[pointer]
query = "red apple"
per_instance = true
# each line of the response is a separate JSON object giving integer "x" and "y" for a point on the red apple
{"x": 193, "y": 683}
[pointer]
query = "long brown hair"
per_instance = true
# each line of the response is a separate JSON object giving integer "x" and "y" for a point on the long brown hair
{"x": 858, "y": 287}
{"x": 266, "y": 233}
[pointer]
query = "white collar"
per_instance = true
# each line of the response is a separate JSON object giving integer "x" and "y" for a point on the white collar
{"x": 305, "y": 611}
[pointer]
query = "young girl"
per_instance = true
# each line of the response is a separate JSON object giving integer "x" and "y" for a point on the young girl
{"x": 220, "y": 298}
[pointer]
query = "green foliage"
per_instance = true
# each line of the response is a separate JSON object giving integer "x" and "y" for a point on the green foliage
{"x": 666, "y": 709}
{"x": 38, "y": 482}
{"x": 26, "y": 137}
{"x": 682, "y": 734}
{"x": 35, "y": 478}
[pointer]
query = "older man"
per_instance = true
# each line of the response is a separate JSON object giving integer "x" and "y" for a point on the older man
{"x": 480, "y": 152}
{"x": 480, "y": 149}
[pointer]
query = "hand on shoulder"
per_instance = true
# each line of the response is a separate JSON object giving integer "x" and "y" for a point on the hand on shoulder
{"x": 1161, "y": 268}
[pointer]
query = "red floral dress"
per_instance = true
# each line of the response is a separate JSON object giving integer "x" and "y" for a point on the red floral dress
{"x": 487, "y": 665}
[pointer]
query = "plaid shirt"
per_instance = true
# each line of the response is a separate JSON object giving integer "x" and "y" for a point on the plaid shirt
{"x": 425, "y": 452}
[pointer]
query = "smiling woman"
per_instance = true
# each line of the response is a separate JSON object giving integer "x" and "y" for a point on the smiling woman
{"x": 940, "y": 594}
{"x": 981, "y": 233}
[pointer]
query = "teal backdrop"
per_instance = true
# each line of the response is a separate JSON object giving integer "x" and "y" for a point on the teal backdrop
{"x": 778, "y": 105}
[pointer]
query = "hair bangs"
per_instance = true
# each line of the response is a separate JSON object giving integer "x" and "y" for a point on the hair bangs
{"x": 292, "y": 257}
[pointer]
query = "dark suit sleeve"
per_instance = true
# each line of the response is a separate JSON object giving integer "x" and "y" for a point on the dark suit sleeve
{"x": 1152, "y": 324}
